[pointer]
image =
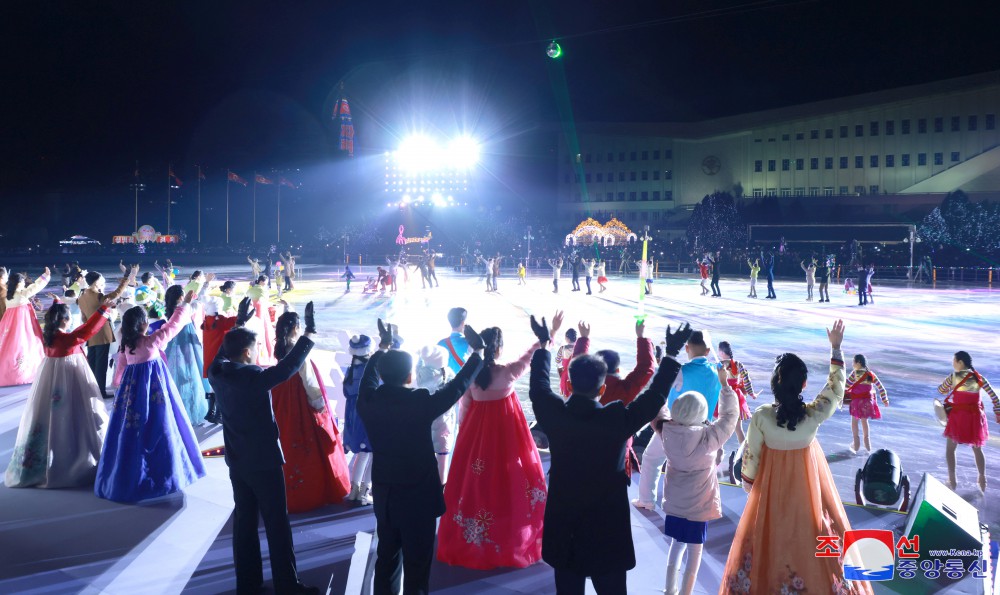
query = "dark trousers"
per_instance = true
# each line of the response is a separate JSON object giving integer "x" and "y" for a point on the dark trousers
{"x": 493, "y": 280}
{"x": 571, "y": 583}
{"x": 97, "y": 358}
{"x": 555, "y": 285}
{"x": 405, "y": 543}
{"x": 824, "y": 293}
{"x": 862, "y": 294}
{"x": 715, "y": 287}
{"x": 432, "y": 276}
{"x": 261, "y": 494}
{"x": 588, "y": 285}
{"x": 288, "y": 283}
{"x": 576, "y": 283}
{"x": 770, "y": 287}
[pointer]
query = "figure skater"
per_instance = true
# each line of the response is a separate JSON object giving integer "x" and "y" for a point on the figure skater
{"x": 739, "y": 381}
{"x": 703, "y": 270}
{"x": 495, "y": 270}
{"x": 355, "y": 436}
{"x": 254, "y": 268}
{"x": 823, "y": 276}
{"x": 810, "y": 278}
{"x": 521, "y": 274}
{"x": 716, "y": 271}
{"x": 21, "y": 348}
{"x": 348, "y": 276}
{"x": 862, "y": 285}
{"x": 862, "y": 386}
{"x": 691, "y": 487}
{"x": 62, "y": 427}
{"x": 431, "y": 272}
{"x": 868, "y": 282}
{"x": 769, "y": 265}
{"x": 588, "y": 265}
{"x": 966, "y": 417}
{"x": 602, "y": 278}
{"x": 646, "y": 273}
{"x": 556, "y": 264}
{"x": 754, "y": 270}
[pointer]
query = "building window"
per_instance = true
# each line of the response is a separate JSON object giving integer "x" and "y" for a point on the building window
{"x": 939, "y": 124}
{"x": 631, "y": 156}
{"x": 770, "y": 165}
{"x": 800, "y": 164}
{"x": 631, "y": 176}
{"x": 600, "y": 176}
{"x": 587, "y": 177}
{"x": 598, "y": 157}
{"x": 656, "y": 155}
{"x": 814, "y": 163}
{"x": 645, "y": 155}
{"x": 668, "y": 175}
{"x": 799, "y": 136}
{"x": 621, "y": 196}
{"x": 655, "y": 216}
{"x": 874, "y": 161}
{"x": 611, "y": 176}
{"x": 843, "y": 132}
{"x": 873, "y": 129}
{"x": 921, "y": 158}
{"x": 668, "y": 195}
{"x": 645, "y": 175}
{"x": 956, "y": 124}
{"x": 758, "y": 192}
{"x": 890, "y": 127}
{"x": 631, "y": 196}
{"x": 859, "y": 190}
{"x": 668, "y": 154}
{"x": 588, "y": 157}
{"x": 621, "y": 156}
{"x": 859, "y": 130}
{"x": 843, "y": 163}
{"x": 644, "y": 216}
{"x": 772, "y": 192}
{"x": 785, "y": 137}
{"x": 770, "y": 140}
{"x": 904, "y": 126}
{"x": 973, "y": 122}
{"x": 758, "y": 166}
{"x": 938, "y": 158}
{"x": 827, "y": 190}
{"x": 890, "y": 161}
{"x": 644, "y": 196}
{"x": 621, "y": 176}
{"x": 828, "y": 163}
{"x": 828, "y": 133}
{"x": 905, "y": 160}
{"x": 873, "y": 189}
{"x": 610, "y": 196}
{"x": 842, "y": 191}
{"x": 922, "y": 126}
{"x": 991, "y": 121}
{"x": 656, "y": 195}
{"x": 813, "y": 134}
{"x": 954, "y": 157}
{"x": 611, "y": 157}
{"x": 785, "y": 192}
{"x": 859, "y": 161}
{"x": 800, "y": 192}
{"x": 786, "y": 164}
{"x": 656, "y": 174}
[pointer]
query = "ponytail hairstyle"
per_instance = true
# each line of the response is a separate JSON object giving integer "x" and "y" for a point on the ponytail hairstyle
{"x": 13, "y": 284}
{"x": 790, "y": 373}
{"x": 134, "y": 324}
{"x": 725, "y": 347}
{"x": 54, "y": 319}
{"x": 861, "y": 360}
{"x": 493, "y": 339}
{"x": 283, "y": 329}
{"x": 171, "y": 299}
{"x": 965, "y": 358}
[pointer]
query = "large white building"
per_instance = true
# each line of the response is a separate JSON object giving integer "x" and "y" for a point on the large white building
{"x": 906, "y": 144}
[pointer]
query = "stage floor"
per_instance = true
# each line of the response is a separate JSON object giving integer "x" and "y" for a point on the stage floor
{"x": 68, "y": 541}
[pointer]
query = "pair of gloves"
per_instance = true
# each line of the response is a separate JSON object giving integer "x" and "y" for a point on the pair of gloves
{"x": 675, "y": 339}
{"x": 246, "y": 311}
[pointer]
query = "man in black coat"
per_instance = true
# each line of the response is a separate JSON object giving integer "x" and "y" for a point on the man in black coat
{"x": 406, "y": 486}
{"x": 253, "y": 453}
{"x": 716, "y": 271}
{"x": 587, "y": 527}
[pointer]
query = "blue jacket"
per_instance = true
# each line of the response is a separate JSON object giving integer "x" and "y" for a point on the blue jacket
{"x": 698, "y": 375}
{"x": 461, "y": 349}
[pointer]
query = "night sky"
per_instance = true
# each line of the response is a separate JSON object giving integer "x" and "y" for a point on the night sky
{"x": 90, "y": 89}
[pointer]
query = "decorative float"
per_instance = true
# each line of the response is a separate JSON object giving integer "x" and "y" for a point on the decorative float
{"x": 590, "y": 232}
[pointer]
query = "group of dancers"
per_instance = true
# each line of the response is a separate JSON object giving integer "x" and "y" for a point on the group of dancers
{"x": 407, "y": 418}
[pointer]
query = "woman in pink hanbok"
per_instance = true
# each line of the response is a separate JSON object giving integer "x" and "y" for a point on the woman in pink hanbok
{"x": 21, "y": 349}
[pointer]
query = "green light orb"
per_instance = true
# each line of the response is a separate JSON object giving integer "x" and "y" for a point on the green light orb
{"x": 554, "y": 50}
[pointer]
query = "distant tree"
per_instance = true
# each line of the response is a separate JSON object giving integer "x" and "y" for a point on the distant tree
{"x": 716, "y": 224}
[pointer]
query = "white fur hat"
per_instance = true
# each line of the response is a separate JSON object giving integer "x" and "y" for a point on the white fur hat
{"x": 689, "y": 409}
{"x": 360, "y": 345}
{"x": 434, "y": 356}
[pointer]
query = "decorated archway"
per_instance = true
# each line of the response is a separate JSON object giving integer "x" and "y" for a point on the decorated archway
{"x": 590, "y": 232}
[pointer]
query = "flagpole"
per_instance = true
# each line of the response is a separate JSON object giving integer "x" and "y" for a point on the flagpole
{"x": 279, "y": 211}
{"x": 170, "y": 170}
{"x": 254, "y": 207}
{"x": 227, "y": 205}
{"x": 199, "y": 204}
{"x": 136, "y": 187}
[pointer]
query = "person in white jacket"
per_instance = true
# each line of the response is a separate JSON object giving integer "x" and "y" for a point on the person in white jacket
{"x": 691, "y": 489}
{"x": 433, "y": 373}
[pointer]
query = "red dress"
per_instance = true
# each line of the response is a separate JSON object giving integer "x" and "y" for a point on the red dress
{"x": 214, "y": 329}
{"x": 315, "y": 469}
{"x": 967, "y": 422}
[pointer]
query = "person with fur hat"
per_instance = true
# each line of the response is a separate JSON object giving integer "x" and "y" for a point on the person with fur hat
{"x": 355, "y": 436}
{"x": 432, "y": 373}
{"x": 699, "y": 374}
{"x": 691, "y": 489}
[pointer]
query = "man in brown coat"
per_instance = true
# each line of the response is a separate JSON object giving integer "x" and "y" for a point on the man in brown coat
{"x": 99, "y": 345}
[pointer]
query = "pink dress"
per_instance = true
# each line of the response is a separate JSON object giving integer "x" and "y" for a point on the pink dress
{"x": 967, "y": 422}
{"x": 495, "y": 494}
{"x": 21, "y": 350}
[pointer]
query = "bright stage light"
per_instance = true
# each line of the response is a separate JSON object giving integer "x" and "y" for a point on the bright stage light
{"x": 463, "y": 152}
{"x": 418, "y": 153}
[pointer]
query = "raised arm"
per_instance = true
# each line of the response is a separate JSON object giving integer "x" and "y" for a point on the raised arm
{"x": 180, "y": 317}
{"x": 721, "y": 429}
{"x": 38, "y": 285}
{"x": 84, "y": 332}
{"x": 832, "y": 395}
{"x": 544, "y": 402}
{"x": 445, "y": 398}
{"x": 643, "y": 371}
{"x": 117, "y": 293}
{"x": 517, "y": 368}
{"x": 649, "y": 403}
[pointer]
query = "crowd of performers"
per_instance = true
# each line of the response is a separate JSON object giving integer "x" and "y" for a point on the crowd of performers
{"x": 442, "y": 435}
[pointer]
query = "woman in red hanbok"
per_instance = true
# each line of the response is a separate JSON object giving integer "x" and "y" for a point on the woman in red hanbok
{"x": 967, "y": 422}
{"x": 495, "y": 494}
{"x": 315, "y": 468}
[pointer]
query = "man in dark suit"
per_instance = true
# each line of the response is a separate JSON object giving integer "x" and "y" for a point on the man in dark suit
{"x": 406, "y": 486}
{"x": 587, "y": 527}
{"x": 253, "y": 453}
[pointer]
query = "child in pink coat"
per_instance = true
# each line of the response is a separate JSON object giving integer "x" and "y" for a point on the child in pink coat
{"x": 691, "y": 488}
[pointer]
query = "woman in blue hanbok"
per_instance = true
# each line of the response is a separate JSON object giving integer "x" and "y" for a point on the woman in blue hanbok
{"x": 185, "y": 360}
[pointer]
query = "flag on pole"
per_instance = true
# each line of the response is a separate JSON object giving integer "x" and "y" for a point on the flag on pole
{"x": 342, "y": 112}
{"x": 261, "y": 179}
{"x": 235, "y": 178}
{"x": 284, "y": 182}
{"x": 170, "y": 172}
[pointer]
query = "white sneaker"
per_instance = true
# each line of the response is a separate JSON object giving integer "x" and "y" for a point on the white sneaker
{"x": 355, "y": 492}
{"x": 365, "y": 495}
{"x": 644, "y": 505}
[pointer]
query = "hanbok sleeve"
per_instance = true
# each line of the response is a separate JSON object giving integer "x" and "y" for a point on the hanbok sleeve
{"x": 882, "y": 394}
{"x": 832, "y": 395}
{"x": 745, "y": 381}
{"x": 84, "y": 332}
{"x": 851, "y": 379}
{"x": 945, "y": 386}
{"x": 752, "y": 449}
{"x": 516, "y": 369}
{"x": 314, "y": 391}
{"x": 992, "y": 394}
{"x": 37, "y": 286}
{"x": 169, "y": 330}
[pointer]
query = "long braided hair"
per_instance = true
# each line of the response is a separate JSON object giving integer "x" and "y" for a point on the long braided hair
{"x": 287, "y": 323}
{"x": 790, "y": 373}
{"x": 493, "y": 339}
